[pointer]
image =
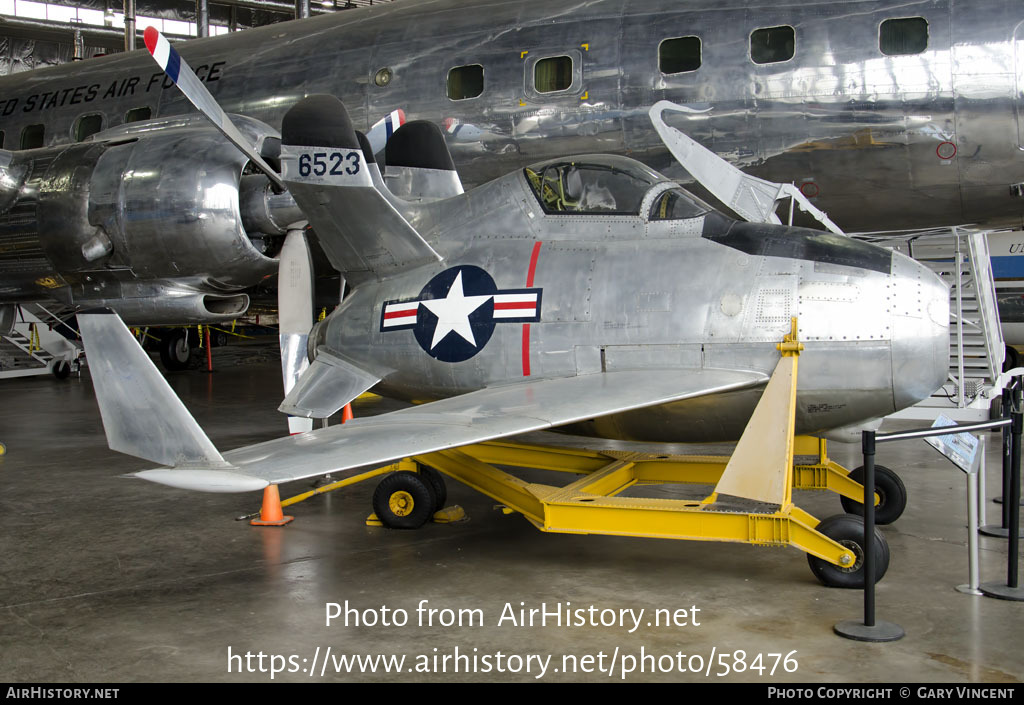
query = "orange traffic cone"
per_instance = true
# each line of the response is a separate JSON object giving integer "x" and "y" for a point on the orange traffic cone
{"x": 346, "y": 413}
{"x": 271, "y": 514}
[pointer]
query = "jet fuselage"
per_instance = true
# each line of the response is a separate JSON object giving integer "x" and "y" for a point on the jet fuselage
{"x": 530, "y": 291}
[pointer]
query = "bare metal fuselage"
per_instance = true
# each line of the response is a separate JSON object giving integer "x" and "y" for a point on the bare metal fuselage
{"x": 883, "y": 142}
{"x": 621, "y": 292}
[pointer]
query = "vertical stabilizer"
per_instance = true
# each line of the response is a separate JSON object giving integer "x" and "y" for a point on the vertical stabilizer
{"x": 418, "y": 165}
{"x": 328, "y": 176}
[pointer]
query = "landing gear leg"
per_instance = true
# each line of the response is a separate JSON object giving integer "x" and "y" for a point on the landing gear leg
{"x": 175, "y": 349}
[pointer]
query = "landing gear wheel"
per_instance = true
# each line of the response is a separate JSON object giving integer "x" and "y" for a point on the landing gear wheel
{"x": 175, "y": 350}
{"x": 995, "y": 412}
{"x": 60, "y": 369}
{"x": 892, "y": 495}
{"x": 849, "y": 531}
{"x": 436, "y": 482}
{"x": 404, "y": 500}
{"x": 1012, "y": 359}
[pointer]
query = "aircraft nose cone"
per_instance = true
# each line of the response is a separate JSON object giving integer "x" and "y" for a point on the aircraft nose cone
{"x": 920, "y": 338}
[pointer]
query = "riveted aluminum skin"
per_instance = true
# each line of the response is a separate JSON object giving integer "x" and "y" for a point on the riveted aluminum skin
{"x": 624, "y": 292}
{"x": 419, "y": 184}
{"x": 878, "y": 140}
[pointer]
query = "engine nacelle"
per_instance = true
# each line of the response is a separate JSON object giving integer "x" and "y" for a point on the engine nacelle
{"x": 161, "y": 201}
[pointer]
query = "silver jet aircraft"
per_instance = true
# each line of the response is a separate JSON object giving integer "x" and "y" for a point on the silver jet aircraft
{"x": 581, "y": 292}
{"x": 586, "y": 290}
{"x": 887, "y": 114}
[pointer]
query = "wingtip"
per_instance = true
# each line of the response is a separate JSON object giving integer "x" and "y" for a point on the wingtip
{"x": 203, "y": 480}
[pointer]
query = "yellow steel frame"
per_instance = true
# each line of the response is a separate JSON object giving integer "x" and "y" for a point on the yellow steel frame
{"x": 824, "y": 474}
{"x": 592, "y": 505}
{"x": 751, "y": 503}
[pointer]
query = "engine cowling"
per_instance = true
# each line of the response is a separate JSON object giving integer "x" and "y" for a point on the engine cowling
{"x": 164, "y": 204}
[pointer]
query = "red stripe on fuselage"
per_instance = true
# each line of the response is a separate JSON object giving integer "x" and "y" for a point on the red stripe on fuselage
{"x": 526, "y": 326}
{"x": 526, "y": 350}
{"x": 533, "y": 264}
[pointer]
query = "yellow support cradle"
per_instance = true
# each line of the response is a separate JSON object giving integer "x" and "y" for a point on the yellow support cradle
{"x": 752, "y": 500}
{"x": 751, "y": 503}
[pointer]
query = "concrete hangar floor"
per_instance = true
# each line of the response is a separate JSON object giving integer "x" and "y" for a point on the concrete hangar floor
{"x": 106, "y": 579}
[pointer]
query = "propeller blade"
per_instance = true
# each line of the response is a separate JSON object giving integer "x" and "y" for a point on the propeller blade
{"x": 170, "y": 61}
{"x": 295, "y": 314}
{"x": 382, "y": 130}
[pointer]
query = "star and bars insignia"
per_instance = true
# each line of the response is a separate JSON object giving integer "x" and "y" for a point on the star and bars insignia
{"x": 454, "y": 316}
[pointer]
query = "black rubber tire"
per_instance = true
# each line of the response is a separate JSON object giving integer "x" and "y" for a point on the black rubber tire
{"x": 892, "y": 495}
{"x": 60, "y": 369}
{"x": 416, "y": 488}
{"x": 995, "y": 412}
{"x": 436, "y": 481}
{"x": 175, "y": 349}
{"x": 849, "y": 531}
{"x": 1012, "y": 359}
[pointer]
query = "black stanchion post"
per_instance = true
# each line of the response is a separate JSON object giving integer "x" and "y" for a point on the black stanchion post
{"x": 1002, "y": 531}
{"x": 1011, "y": 591}
{"x": 869, "y": 630}
{"x": 1011, "y": 570}
{"x": 868, "y": 446}
{"x": 1007, "y": 455}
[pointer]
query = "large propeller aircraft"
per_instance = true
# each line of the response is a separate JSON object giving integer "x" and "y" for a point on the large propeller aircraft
{"x": 925, "y": 107}
{"x": 586, "y": 292}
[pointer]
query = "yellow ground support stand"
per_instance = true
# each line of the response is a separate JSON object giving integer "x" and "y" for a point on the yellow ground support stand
{"x": 652, "y": 469}
{"x": 751, "y": 502}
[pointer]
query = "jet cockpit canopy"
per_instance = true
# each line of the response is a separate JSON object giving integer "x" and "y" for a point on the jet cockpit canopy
{"x": 605, "y": 184}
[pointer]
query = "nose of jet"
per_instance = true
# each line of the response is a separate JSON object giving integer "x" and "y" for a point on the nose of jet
{"x": 919, "y": 310}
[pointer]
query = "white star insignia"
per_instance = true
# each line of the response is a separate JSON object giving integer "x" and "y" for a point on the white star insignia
{"x": 453, "y": 313}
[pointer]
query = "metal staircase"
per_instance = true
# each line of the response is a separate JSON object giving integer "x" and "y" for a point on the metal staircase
{"x": 960, "y": 256}
{"x": 35, "y": 346}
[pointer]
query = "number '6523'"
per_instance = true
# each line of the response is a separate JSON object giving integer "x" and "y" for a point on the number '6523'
{"x": 333, "y": 163}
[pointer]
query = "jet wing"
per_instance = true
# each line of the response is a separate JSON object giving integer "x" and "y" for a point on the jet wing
{"x": 483, "y": 415}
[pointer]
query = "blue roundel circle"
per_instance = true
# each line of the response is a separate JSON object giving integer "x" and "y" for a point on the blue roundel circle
{"x": 455, "y": 318}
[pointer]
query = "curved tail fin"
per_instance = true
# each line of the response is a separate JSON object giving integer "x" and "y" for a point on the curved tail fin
{"x": 328, "y": 176}
{"x": 418, "y": 165}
